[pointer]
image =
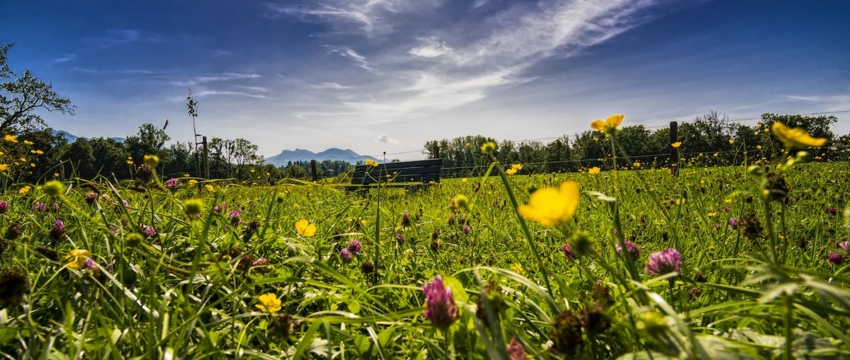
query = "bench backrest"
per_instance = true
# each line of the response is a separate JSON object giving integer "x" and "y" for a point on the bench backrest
{"x": 423, "y": 171}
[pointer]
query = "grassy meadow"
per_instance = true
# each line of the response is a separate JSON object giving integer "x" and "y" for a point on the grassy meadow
{"x": 193, "y": 268}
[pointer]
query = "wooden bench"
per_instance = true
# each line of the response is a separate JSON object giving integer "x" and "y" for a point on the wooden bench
{"x": 421, "y": 172}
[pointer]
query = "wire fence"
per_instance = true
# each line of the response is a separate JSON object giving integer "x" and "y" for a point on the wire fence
{"x": 739, "y": 120}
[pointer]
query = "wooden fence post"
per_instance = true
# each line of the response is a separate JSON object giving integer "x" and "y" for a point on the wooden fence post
{"x": 206, "y": 158}
{"x": 674, "y": 152}
{"x": 313, "y": 170}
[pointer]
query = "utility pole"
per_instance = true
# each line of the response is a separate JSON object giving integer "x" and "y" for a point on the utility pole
{"x": 192, "y": 105}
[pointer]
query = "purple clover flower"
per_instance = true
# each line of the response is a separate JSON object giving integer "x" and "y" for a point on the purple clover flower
{"x": 4, "y": 207}
{"x": 441, "y": 311}
{"x": 58, "y": 230}
{"x": 89, "y": 264}
{"x": 234, "y": 215}
{"x": 40, "y": 207}
{"x": 149, "y": 231}
{"x": 835, "y": 258}
{"x": 845, "y": 245}
{"x": 399, "y": 238}
{"x": 354, "y": 247}
{"x": 732, "y": 223}
{"x": 173, "y": 183}
{"x": 467, "y": 229}
{"x": 831, "y": 211}
{"x": 345, "y": 255}
{"x": 405, "y": 219}
{"x": 218, "y": 209}
{"x": 664, "y": 262}
{"x": 516, "y": 351}
{"x": 569, "y": 254}
{"x": 633, "y": 249}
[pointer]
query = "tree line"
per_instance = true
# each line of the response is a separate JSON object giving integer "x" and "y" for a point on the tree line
{"x": 710, "y": 139}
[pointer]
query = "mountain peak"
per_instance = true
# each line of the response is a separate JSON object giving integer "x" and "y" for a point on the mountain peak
{"x": 334, "y": 154}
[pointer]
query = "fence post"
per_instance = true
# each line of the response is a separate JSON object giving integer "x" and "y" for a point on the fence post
{"x": 206, "y": 158}
{"x": 313, "y": 170}
{"x": 674, "y": 152}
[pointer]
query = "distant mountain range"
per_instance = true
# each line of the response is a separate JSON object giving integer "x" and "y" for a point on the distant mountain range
{"x": 71, "y": 137}
{"x": 346, "y": 155}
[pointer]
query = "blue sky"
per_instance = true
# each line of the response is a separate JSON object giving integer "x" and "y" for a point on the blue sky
{"x": 388, "y": 75}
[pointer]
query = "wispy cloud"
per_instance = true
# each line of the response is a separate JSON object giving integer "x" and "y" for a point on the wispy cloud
{"x": 358, "y": 59}
{"x": 121, "y": 36}
{"x": 206, "y": 93}
{"x": 65, "y": 58}
{"x": 386, "y": 139}
{"x": 431, "y": 47}
{"x": 479, "y": 63}
{"x": 223, "y": 77}
{"x": 221, "y": 53}
{"x": 114, "y": 72}
{"x": 330, "y": 85}
{"x": 370, "y": 17}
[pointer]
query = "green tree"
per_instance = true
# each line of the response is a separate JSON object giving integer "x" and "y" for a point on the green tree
{"x": 21, "y": 96}
{"x": 45, "y": 153}
{"x": 98, "y": 156}
{"x": 148, "y": 141}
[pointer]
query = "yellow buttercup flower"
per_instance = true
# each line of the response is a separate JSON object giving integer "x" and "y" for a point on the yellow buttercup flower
{"x": 796, "y": 137}
{"x": 27, "y": 142}
{"x": 25, "y": 190}
{"x": 549, "y": 206}
{"x": 514, "y": 168}
{"x": 676, "y": 145}
{"x": 11, "y": 138}
{"x": 268, "y": 303}
{"x": 610, "y": 124}
{"x": 758, "y": 147}
{"x": 209, "y": 188}
{"x": 731, "y": 141}
{"x": 594, "y": 170}
{"x": 4, "y": 167}
{"x": 517, "y": 268}
{"x": 76, "y": 259}
{"x": 151, "y": 160}
{"x": 488, "y": 147}
{"x": 371, "y": 162}
{"x": 193, "y": 182}
{"x": 305, "y": 228}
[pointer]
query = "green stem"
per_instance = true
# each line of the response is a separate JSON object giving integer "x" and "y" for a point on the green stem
{"x": 525, "y": 230}
{"x": 771, "y": 234}
{"x": 789, "y": 331}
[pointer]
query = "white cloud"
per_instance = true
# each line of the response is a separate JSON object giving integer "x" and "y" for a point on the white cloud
{"x": 479, "y": 3}
{"x": 330, "y": 85}
{"x": 368, "y": 16}
{"x": 221, "y": 53}
{"x": 65, "y": 58}
{"x": 223, "y": 77}
{"x": 121, "y": 36}
{"x": 358, "y": 59}
{"x": 386, "y": 139}
{"x": 106, "y": 71}
{"x": 565, "y": 27}
{"x": 431, "y": 48}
